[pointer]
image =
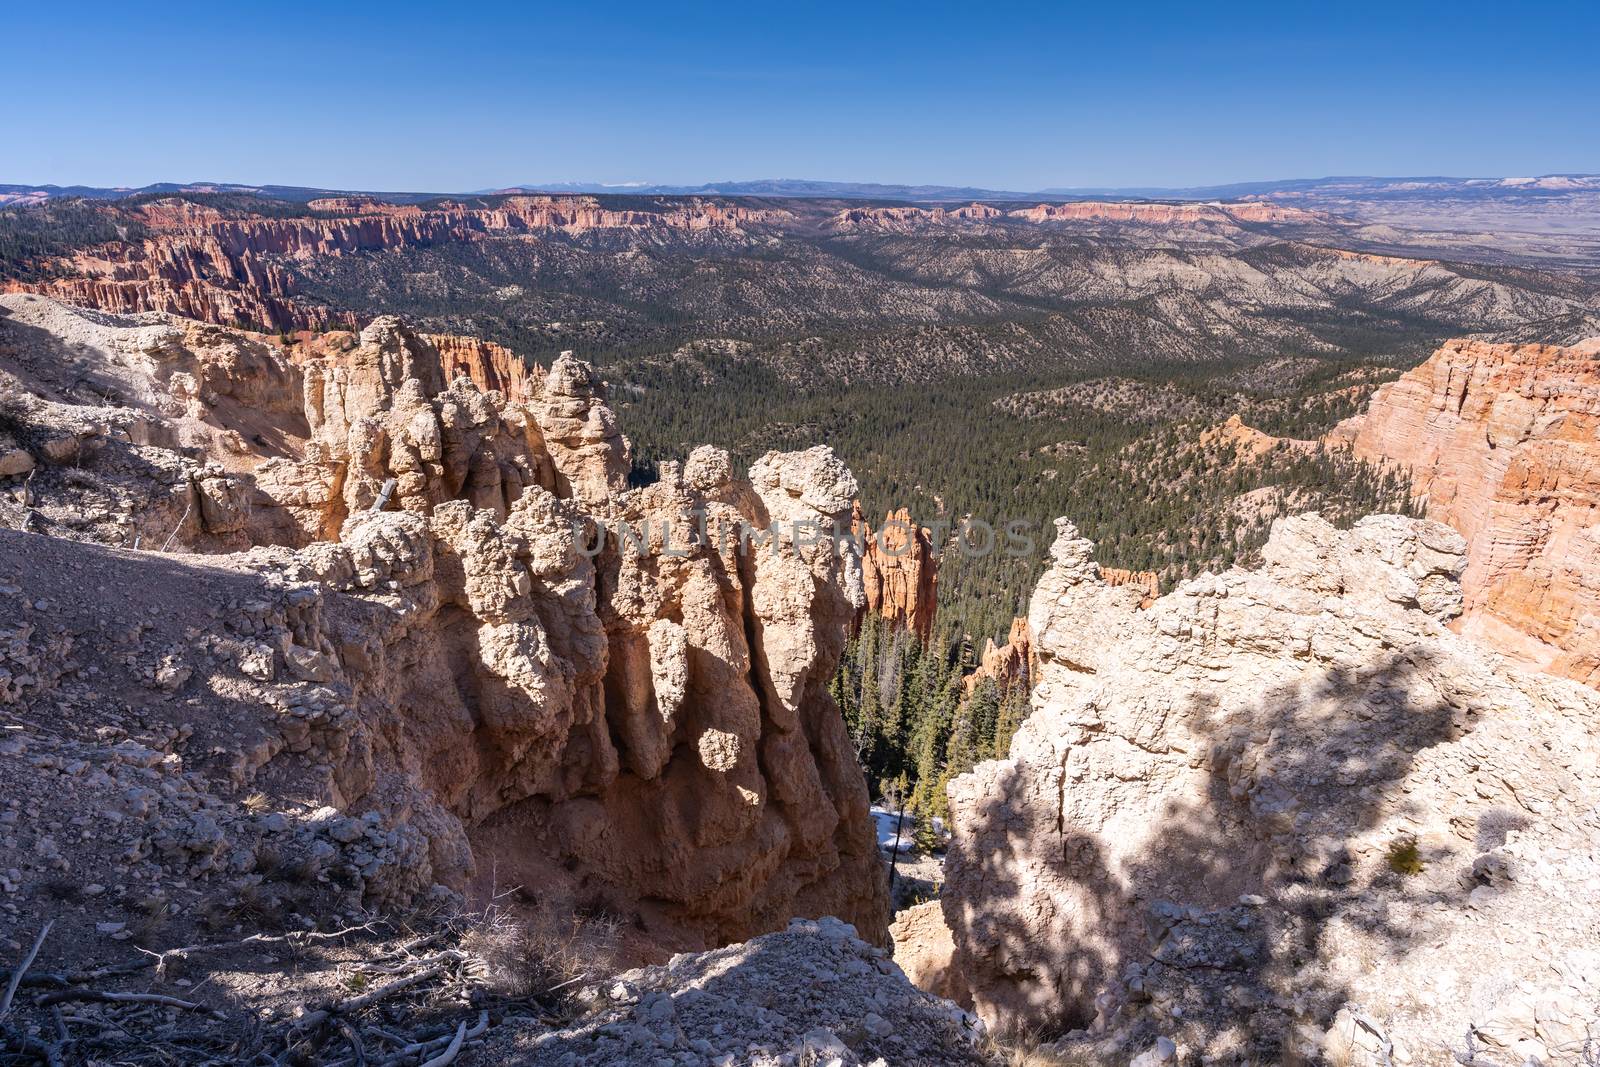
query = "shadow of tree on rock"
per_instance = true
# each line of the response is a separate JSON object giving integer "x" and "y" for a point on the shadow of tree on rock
{"x": 1216, "y": 913}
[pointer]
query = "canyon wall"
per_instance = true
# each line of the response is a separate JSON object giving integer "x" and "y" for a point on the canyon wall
{"x": 1191, "y": 214}
{"x": 204, "y": 263}
{"x": 1284, "y": 816}
{"x": 466, "y": 631}
{"x": 1502, "y": 442}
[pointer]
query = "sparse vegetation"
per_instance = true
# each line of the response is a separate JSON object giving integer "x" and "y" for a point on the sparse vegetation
{"x": 1405, "y": 857}
{"x": 542, "y": 958}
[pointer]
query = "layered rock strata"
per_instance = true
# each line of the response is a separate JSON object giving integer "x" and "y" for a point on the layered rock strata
{"x": 204, "y": 263}
{"x": 1188, "y": 214}
{"x": 1503, "y": 443}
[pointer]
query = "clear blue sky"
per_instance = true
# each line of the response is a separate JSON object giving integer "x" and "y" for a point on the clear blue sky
{"x": 463, "y": 96}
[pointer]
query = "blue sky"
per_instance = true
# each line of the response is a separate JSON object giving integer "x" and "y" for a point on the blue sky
{"x": 464, "y": 96}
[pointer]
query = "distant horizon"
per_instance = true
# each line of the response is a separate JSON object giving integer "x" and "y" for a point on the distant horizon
{"x": 1025, "y": 96}
{"x": 577, "y": 186}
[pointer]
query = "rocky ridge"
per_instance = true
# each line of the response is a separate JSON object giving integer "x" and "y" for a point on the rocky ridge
{"x": 1285, "y": 816}
{"x": 458, "y": 653}
{"x": 1189, "y": 214}
{"x": 204, "y": 263}
{"x": 1502, "y": 442}
{"x": 1009, "y": 665}
{"x": 811, "y": 994}
{"x": 896, "y": 293}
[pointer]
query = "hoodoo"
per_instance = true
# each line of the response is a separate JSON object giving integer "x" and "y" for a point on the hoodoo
{"x": 437, "y": 659}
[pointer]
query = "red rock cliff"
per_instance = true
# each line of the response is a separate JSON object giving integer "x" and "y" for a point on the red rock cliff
{"x": 233, "y": 268}
{"x": 1148, "y": 582}
{"x": 1503, "y": 443}
{"x": 900, "y": 572}
{"x": 1010, "y": 665}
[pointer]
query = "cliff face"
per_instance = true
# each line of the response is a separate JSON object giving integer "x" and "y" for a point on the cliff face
{"x": 469, "y": 627}
{"x": 904, "y": 218}
{"x": 491, "y": 367}
{"x": 1009, "y": 665}
{"x": 1147, "y": 582}
{"x": 1284, "y": 815}
{"x": 1503, "y": 443}
{"x": 900, "y": 572}
{"x": 201, "y": 263}
{"x": 1165, "y": 214}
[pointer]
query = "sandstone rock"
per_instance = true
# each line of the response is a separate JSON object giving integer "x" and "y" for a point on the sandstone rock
{"x": 1502, "y": 442}
{"x": 1010, "y": 665}
{"x": 925, "y": 951}
{"x": 1147, "y": 582}
{"x": 588, "y": 449}
{"x": 15, "y": 461}
{"x": 633, "y": 725}
{"x": 1249, "y": 442}
{"x": 1272, "y": 797}
{"x": 295, "y": 438}
{"x": 899, "y": 571}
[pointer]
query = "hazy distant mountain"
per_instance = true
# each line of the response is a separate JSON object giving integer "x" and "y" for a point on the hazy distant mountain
{"x": 788, "y": 187}
{"x": 1359, "y": 186}
{"x": 1331, "y": 192}
{"x": 33, "y": 194}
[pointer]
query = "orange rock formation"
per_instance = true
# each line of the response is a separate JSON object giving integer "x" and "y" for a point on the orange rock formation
{"x": 1010, "y": 665}
{"x": 201, "y": 263}
{"x": 1503, "y": 443}
{"x": 1147, "y": 581}
{"x": 900, "y": 572}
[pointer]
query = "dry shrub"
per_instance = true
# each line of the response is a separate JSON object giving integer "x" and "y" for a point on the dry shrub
{"x": 1029, "y": 1050}
{"x": 543, "y": 958}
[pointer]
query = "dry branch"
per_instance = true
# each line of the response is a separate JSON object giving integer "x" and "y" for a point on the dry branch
{"x": 156, "y": 999}
{"x": 22, "y": 969}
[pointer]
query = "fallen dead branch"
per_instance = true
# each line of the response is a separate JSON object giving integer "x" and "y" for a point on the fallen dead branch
{"x": 431, "y": 967}
{"x": 22, "y": 969}
{"x": 452, "y": 1050}
{"x": 423, "y": 1002}
{"x": 160, "y": 1000}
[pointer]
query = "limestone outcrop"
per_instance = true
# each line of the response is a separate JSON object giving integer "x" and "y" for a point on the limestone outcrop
{"x": 900, "y": 572}
{"x": 1502, "y": 442}
{"x": 462, "y": 632}
{"x": 1285, "y": 816}
{"x": 216, "y": 439}
{"x": 813, "y": 993}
